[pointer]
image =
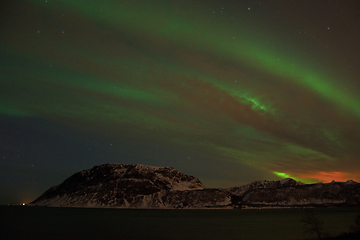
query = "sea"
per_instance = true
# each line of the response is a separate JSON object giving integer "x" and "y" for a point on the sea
{"x": 25, "y": 222}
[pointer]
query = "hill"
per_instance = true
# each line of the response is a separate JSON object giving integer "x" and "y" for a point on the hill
{"x": 141, "y": 186}
{"x": 132, "y": 186}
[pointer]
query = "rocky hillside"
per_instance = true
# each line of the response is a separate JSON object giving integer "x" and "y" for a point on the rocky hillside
{"x": 264, "y": 184}
{"x": 133, "y": 186}
{"x": 140, "y": 186}
{"x": 301, "y": 195}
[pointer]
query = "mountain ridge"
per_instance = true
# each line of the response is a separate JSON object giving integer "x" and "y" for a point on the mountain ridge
{"x": 132, "y": 186}
{"x": 143, "y": 186}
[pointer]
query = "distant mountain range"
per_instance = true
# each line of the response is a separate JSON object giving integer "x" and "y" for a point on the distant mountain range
{"x": 141, "y": 186}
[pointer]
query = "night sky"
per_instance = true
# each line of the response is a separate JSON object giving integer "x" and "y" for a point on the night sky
{"x": 228, "y": 91}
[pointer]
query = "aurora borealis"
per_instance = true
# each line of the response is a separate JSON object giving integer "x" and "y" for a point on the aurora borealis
{"x": 228, "y": 91}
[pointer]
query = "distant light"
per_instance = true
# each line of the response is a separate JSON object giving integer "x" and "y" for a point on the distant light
{"x": 23, "y": 204}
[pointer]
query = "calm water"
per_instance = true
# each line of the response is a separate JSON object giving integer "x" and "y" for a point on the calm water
{"x": 76, "y": 223}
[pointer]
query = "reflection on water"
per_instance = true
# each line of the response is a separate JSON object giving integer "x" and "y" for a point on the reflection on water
{"x": 80, "y": 223}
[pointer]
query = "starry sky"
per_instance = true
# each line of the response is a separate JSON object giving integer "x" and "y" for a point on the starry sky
{"x": 228, "y": 91}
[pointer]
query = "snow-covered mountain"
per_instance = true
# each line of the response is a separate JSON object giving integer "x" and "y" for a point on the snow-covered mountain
{"x": 133, "y": 186}
{"x": 263, "y": 184}
{"x": 295, "y": 194}
{"x": 141, "y": 186}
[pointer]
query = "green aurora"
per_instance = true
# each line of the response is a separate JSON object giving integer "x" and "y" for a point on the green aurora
{"x": 225, "y": 91}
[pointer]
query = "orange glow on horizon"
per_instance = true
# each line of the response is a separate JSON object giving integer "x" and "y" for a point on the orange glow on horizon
{"x": 330, "y": 176}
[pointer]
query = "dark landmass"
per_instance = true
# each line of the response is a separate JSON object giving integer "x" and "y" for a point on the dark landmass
{"x": 141, "y": 186}
{"x": 133, "y": 186}
{"x": 295, "y": 194}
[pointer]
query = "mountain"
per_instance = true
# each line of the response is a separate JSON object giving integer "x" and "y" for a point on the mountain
{"x": 141, "y": 186}
{"x": 295, "y": 194}
{"x": 133, "y": 186}
{"x": 263, "y": 184}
